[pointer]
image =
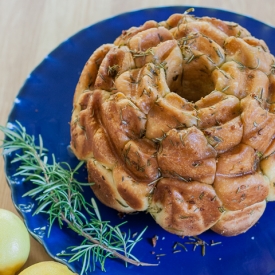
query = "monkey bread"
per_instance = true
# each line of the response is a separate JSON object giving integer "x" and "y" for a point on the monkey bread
{"x": 177, "y": 118}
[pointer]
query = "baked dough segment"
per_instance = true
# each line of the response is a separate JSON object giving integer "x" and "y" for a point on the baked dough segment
{"x": 139, "y": 157}
{"x": 85, "y": 123}
{"x": 237, "y": 193}
{"x": 267, "y": 165}
{"x": 143, "y": 86}
{"x": 253, "y": 41}
{"x": 183, "y": 29}
{"x": 168, "y": 56}
{"x": 126, "y": 35}
{"x": 271, "y": 96}
{"x": 226, "y": 136}
{"x": 116, "y": 61}
{"x": 167, "y": 113}
{"x": 238, "y": 181}
{"x": 105, "y": 188}
{"x": 259, "y": 124}
{"x": 216, "y": 109}
{"x": 239, "y": 161}
{"x": 122, "y": 121}
{"x": 90, "y": 71}
{"x": 185, "y": 208}
{"x": 231, "y": 79}
{"x": 102, "y": 151}
{"x": 134, "y": 192}
{"x": 229, "y": 28}
{"x": 246, "y": 55}
{"x": 80, "y": 141}
{"x": 176, "y": 19}
{"x": 186, "y": 155}
{"x": 233, "y": 223}
{"x": 149, "y": 38}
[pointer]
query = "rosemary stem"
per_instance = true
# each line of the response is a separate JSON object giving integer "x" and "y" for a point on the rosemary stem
{"x": 104, "y": 247}
{"x": 82, "y": 233}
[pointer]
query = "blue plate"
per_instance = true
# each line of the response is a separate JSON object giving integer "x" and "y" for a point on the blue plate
{"x": 44, "y": 106}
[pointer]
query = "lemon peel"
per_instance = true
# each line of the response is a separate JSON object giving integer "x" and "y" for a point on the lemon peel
{"x": 47, "y": 268}
{"x": 14, "y": 243}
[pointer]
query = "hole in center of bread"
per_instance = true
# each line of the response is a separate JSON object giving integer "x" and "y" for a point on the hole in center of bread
{"x": 196, "y": 82}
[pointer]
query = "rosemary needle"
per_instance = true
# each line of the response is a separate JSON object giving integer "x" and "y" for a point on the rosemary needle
{"x": 59, "y": 195}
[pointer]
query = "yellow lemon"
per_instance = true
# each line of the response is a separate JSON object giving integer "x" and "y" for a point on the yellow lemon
{"x": 14, "y": 243}
{"x": 47, "y": 268}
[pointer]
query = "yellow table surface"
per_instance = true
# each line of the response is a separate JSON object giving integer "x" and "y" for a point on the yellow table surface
{"x": 30, "y": 29}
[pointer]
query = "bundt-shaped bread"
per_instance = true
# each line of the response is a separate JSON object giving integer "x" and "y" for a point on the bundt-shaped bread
{"x": 177, "y": 118}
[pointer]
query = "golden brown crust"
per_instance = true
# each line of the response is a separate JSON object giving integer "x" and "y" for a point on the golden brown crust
{"x": 233, "y": 223}
{"x": 101, "y": 149}
{"x": 185, "y": 154}
{"x": 90, "y": 70}
{"x": 226, "y": 136}
{"x": 105, "y": 188}
{"x": 135, "y": 193}
{"x": 128, "y": 34}
{"x": 237, "y": 182}
{"x": 232, "y": 80}
{"x": 229, "y": 28}
{"x": 216, "y": 109}
{"x": 185, "y": 208}
{"x": 139, "y": 157}
{"x": 247, "y": 55}
{"x": 143, "y": 86}
{"x": 122, "y": 121}
{"x": 85, "y": 123}
{"x": 239, "y": 161}
{"x": 176, "y": 19}
{"x": 236, "y": 193}
{"x": 267, "y": 166}
{"x": 271, "y": 96}
{"x": 259, "y": 124}
{"x": 149, "y": 38}
{"x": 116, "y": 61}
{"x": 199, "y": 26}
{"x": 178, "y": 118}
{"x": 168, "y": 113}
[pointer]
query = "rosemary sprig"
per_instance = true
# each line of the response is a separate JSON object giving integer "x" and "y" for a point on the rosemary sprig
{"x": 136, "y": 53}
{"x": 59, "y": 194}
{"x": 113, "y": 70}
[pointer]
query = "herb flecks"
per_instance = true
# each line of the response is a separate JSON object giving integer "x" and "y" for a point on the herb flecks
{"x": 195, "y": 241}
{"x": 113, "y": 70}
{"x": 142, "y": 53}
{"x": 60, "y": 195}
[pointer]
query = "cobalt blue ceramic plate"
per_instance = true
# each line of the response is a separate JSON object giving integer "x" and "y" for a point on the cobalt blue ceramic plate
{"x": 44, "y": 106}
